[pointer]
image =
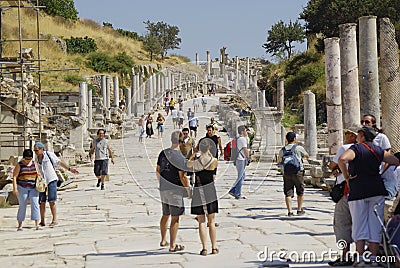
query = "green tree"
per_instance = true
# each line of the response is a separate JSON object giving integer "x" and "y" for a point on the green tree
{"x": 152, "y": 45}
{"x": 324, "y": 16}
{"x": 282, "y": 36}
{"x": 167, "y": 35}
{"x": 62, "y": 8}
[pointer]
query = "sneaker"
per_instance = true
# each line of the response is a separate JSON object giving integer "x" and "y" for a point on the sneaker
{"x": 98, "y": 183}
{"x": 300, "y": 212}
{"x": 340, "y": 262}
{"x": 290, "y": 214}
{"x": 102, "y": 187}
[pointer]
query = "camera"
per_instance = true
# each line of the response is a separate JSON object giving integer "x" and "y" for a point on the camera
{"x": 248, "y": 161}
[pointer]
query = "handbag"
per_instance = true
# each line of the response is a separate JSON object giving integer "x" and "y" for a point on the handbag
{"x": 337, "y": 191}
{"x": 40, "y": 183}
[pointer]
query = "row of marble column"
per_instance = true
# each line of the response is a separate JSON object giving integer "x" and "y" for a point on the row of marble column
{"x": 352, "y": 83}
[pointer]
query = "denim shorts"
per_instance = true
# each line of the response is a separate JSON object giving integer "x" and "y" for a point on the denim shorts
{"x": 50, "y": 194}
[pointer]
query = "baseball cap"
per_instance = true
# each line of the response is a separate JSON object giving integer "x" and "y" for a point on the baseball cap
{"x": 39, "y": 145}
{"x": 369, "y": 133}
{"x": 352, "y": 130}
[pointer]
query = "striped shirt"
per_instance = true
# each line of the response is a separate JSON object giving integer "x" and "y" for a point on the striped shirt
{"x": 27, "y": 175}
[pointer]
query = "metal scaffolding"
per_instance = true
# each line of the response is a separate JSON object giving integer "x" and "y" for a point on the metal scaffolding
{"x": 20, "y": 65}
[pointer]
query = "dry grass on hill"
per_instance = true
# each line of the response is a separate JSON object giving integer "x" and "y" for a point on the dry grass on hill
{"x": 107, "y": 40}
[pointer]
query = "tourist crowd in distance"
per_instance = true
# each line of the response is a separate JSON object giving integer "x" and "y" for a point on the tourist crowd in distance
{"x": 187, "y": 169}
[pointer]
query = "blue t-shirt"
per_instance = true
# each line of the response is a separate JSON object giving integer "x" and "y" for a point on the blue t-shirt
{"x": 365, "y": 166}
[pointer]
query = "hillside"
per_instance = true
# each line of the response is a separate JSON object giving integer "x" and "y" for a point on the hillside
{"x": 108, "y": 41}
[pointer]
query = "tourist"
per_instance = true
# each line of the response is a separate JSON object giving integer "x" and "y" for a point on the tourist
{"x": 187, "y": 146}
{"x": 342, "y": 216}
{"x": 141, "y": 129}
{"x": 241, "y": 162}
{"x": 216, "y": 141}
{"x": 173, "y": 187}
{"x": 48, "y": 162}
{"x": 367, "y": 191}
{"x": 204, "y": 200}
{"x": 204, "y": 103}
{"x": 160, "y": 125}
{"x": 293, "y": 179}
{"x": 149, "y": 126}
{"x": 181, "y": 117}
{"x": 195, "y": 104}
{"x": 175, "y": 118}
{"x": 24, "y": 187}
{"x": 102, "y": 152}
{"x": 193, "y": 125}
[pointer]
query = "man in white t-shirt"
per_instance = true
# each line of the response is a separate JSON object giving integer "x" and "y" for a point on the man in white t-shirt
{"x": 241, "y": 162}
{"x": 193, "y": 125}
{"x": 175, "y": 119}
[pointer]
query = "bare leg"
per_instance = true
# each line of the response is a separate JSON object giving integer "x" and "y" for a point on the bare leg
{"x": 360, "y": 248}
{"x": 42, "y": 212}
{"x": 300, "y": 199}
{"x": 19, "y": 224}
{"x": 288, "y": 201}
{"x": 53, "y": 211}
{"x": 202, "y": 230}
{"x": 163, "y": 229}
{"x": 373, "y": 247}
{"x": 212, "y": 230}
{"x": 103, "y": 178}
{"x": 173, "y": 231}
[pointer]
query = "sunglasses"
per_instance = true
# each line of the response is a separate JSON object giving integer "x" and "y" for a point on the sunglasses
{"x": 365, "y": 121}
{"x": 37, "y": 150}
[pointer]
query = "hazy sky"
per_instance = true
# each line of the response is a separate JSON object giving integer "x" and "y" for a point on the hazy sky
{"x": 239, "y": 25}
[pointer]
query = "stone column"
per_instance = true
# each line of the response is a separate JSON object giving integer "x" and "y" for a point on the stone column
{"x": 103, "y": 90}
{"x": 83, "y": 99}
{"x": 263, "y": 99}
{"x": 349, "y": 75}
{"x": 208, "y": 64}
{"x": 90, "y": 108}
{"x": 226, "y": 80}
{"x": 368, "y": 55}
{"x": 333, "y": 94}
{"x": 237, "y": 74}
{"x": 128, "y": 99}
{"x": 140, "y": 100}
{"x": 310, "y": 124}
{"x": 390, "y": 82}
{"x": 197, "y": 59}
{"x": 133, "y": 94}
{"x": 280, "y": 98}
{"x": 108, "y": 92}
{"x": 180, "y": 81}
{"x": 116, "y": 91}
{"x": 247, "y": 73}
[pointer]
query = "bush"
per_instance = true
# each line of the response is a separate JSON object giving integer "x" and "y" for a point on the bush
{"x": 73, "y": 79}
{"x": 62, "y": 8}
{"x": 102, "y": 62}
{"x": 81, "y": 45}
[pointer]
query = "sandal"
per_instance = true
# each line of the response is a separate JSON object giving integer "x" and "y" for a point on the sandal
{"x": 164, "y": 244}
{"x": 203, "y": 252}
{"x": 54, "y": 223}
{"x": 20, "y": 229}
{"x": 177, "y": 248}
{"x": 214, "y": 251}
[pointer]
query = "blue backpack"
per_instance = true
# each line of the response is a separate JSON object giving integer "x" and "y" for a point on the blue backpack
{"x": 290, "y": 163}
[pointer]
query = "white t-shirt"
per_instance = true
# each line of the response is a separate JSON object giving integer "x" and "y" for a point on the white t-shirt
{"x": 241, "y": 143}
{"x": 342, "y": 149}
{"x": 174, "y": 113}
{"x": 382, "y": 141}
{"x": 181, "y": 114}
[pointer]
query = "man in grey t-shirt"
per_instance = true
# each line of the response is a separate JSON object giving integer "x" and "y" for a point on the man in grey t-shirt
{"x": 101, "y": 148}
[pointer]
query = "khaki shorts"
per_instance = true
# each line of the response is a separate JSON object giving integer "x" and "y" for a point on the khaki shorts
{"x": 342, "y": 221}
{"x": 291, "y": 181}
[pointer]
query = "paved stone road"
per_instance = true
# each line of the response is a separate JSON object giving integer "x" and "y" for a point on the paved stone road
{"x": 118, "y": 227}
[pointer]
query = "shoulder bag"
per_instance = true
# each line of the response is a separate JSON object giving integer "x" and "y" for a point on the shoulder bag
{"x": 40, "y": 182}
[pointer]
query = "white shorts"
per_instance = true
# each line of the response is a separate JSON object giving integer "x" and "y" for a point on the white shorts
{"x": 366, "y": 225}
